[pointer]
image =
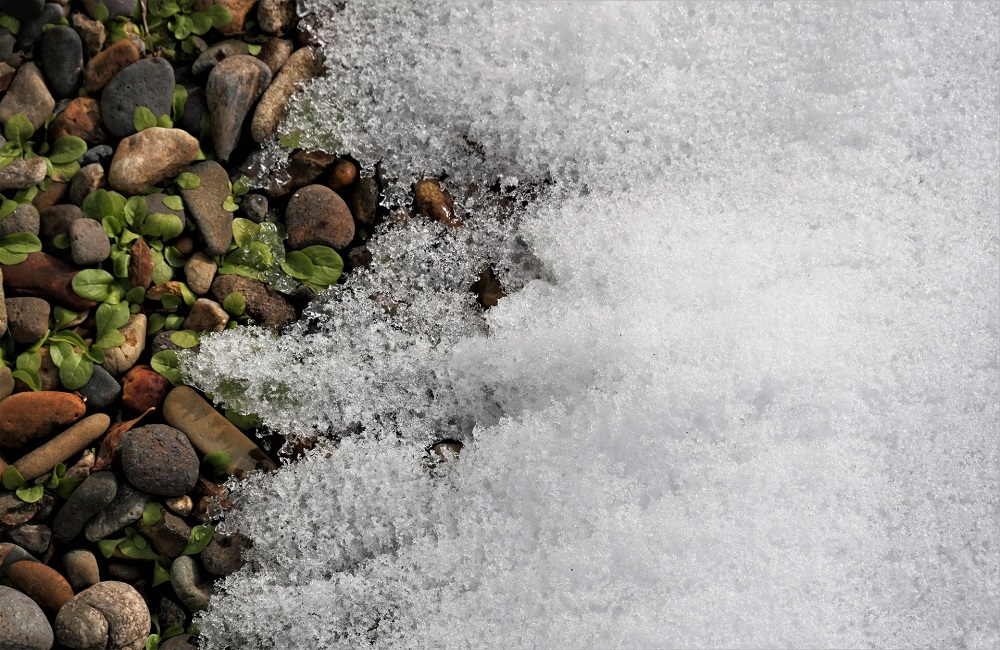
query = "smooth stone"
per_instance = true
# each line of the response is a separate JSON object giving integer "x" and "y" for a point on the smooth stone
{"x": 89, "y": 244}
{"x": 147, "y": 82}
{"x": 22, "y": 174}
{"x": 186, "y": 579}
{"x": 171, "y": 614}
{"x": 276, "y": 16}
{"x": 155, "y": 205}
{"x": 42, "y": 583}
{"x": 254, "y": 207}
{"x": 124, "y": 572}
{"x": 92, "y": 32}
{"x": 199, "y": 271}
{"x": 231, "y": 90}
{"x": 170, "y": 535}
{"x": 89, "y": 498}
{"x": 143, "y": 388}
{"x": 81, "y": 569}
{"x": 80, "y": 118}
{"x": 62, "y": 447}
{"x": 32, "y": 30}
{"x": 194, "y": 110}
{"x": 275, "y": 52}
{"x": 62, "y": 60}
{"x": 46, "y": 276}
{"x": 48, "y": 372}
{"x": 29, "y": 417}
{"x": 23, "y": 625}
{"x": 115, "y": 7}
{"x": 206, "y": 316}
{"x": 118, "y": 360}
{"x": 204, "y": 203}
{"x": 181, "y": 505}
{"x": 264, "y": 305}
{"x": 342, "y": 177}
{"x": 125, "y": 510}
{"x": 102, "y": 68}
{"x": 148, "y": 157}
{"x": 24, "y": 218}
{"x": 22, "y": 9}
{"x": 432, "y": 202}
{"x": 317, "y": 215}
{"x": 101, "y": 390}
{"x": 34, "y": 538}
{"x": 28, "y": 95}
{"x": 209, "y": 431}
{"x": 160, "y": 460}
{"x": 301, "y": 66}
{"x": 211, "y": 57}
{"x": 224, "y": 554}
{"x": 364, "y": 201}
{"x": 57, "y": 220}
{"x": 89, "y": 179}
{"x": 109, "y": 615}
{"x": 6, "y": 382}
{"x": 102, "y": 153}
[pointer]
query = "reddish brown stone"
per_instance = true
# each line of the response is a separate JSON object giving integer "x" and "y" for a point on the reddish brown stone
{"x": 306, "y": 167}
{"x": 32, "y": 417}
{"x": 50, "y": 196}
{"x": 103, "y": 67}
{"x": 140, "y": 264}
{"x": 144, "y": 388}
{"x": 317, "y": 215}
{"x": 343, "y": 176}
{"x": 157, "y": 291}
{"x": 238, "y": 8}
{"x": 41, "y": 583}
{"x": 46, "y": 277}
{"x": 432, "y": 202}
{"x": 82, "y": 118}
{"x": 265, "y": 306}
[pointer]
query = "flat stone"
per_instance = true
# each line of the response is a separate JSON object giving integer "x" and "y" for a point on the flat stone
{"x": 301, "y": 67}
{"x": 232, "y": 88}
{"x": 108, "y": 615}
{"x": 208, "y": 59}
{"x": 91, "y": 32}
{"x": 186, "y": 578}
{"x": 199, "y": 271}
{"x": 89, "y": 179}
{"x": 264, "y": 305}
{"x": 150, "y": 156}
{"x": 89, "y": 498}
{"x": 317, "y": 215}
{"x": 22, "y": 174}
{"x": 27, "y": 319}
{"x": 147, "y": 82}
{"x": 24, "y": 218}
{"x": 118, "y": 360}
{"x": 144, "y": 388}
{"x": 34, "y": 538}
{"x": 45, "y": 276}
{"x": 206, "y": 316}
{"x": 89, "y": 244}
{"x": 276, "y": 16}
{"x": 29, "y": 417}
{"x": 155, "y": 205}
{"x": 160, "y": 460}
{"x": 81, "y": 118}
{"x": 29, "y": 96}
{"x": 81, "y": 569}
{"x": 275, "y": 52}
{"x": 102, "y": 68}
{"x": 209, "y": 431}
{"x": 62, "y": 60}
{"x": 204, "y": 203}
{"x": 140, "y": 264}
{"x": 23, "y": 625}
{"x": 101, "y": 390}
{"x": 62, "y": 447}
{"x": 42, "y": 583}
{"x": 125, "y": 510}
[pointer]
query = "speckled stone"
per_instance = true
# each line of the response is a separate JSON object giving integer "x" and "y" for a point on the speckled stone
{"x": 160, "y": 460}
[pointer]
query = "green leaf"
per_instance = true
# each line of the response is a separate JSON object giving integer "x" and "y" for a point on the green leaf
{"x": 67, "y": 149}
{"x": 234, "y": 304}
{"x": 174, "y": 322}
{"x": 292, "y": 140}
{"x": 229, "y": 205}
{"x": 327, "y": 265}
{"x": 174, "y": 202}
{"x": 182, "y": 26}
{"x": 185, "y": 338}
{"x": 61, "y": 241}
{"x": 30, "y": 378}
{"x": 18, "y": 129}
{"x": 164, "y": 122}
{"x": 160, "y": 575}
{"x": 25, "y": 197}
{"x": 135, "y": 211}
{"x": 201, "y": 23}
{"x": 173, "y": 257}
{"x": 63, "y": 172}
{"x": 151, "y": 515}
{"x": 12, "y": 478}
{"x": 253, "y": 49}
{"x": 112, "y": 227}
{"x": 119, "y": 263}
{"x": 29, "y": 360}
{"x": 107, "y": 546}
{"x": 12, "y": 24}
{"x": 201, "y": 535}
{"x": 244, "y": 231}
{"x": 243, "y": 422}
{"x": 153, "y": 642}
{"x": 162, "y": 225}
{"x": 75, "y": 371}
{"x": 218, "y": 462}
{"x": 93, "y": 284}
{"x": 112, "y": 339}
{"x": 219, "y": 15}
{"x": 168, "y": 9}
{"x": 61, "y": 317}
{"x": 162, "y": 272}
{"x": 165, "y": 363}
{"x": 187, "y": 181}
{"x": 110, "y": 317}
{"x": 30, "y": 494}
{"x": 135, "y": 295}
{"x": 21, "y": 242}
{"x": 7, "y": 207}
{"x": 155, "y": 324}
{"x": 10, "y": 259}
{"x": 101, "y": 13}
{"x": 67, "y": 485}
{"x": 298, "y": 265}
{"x": 143, "y": 118}
{"x": 178, "y": 102}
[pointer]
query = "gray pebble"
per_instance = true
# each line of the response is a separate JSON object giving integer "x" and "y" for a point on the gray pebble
{"x": 27, "y": 319}
{"x": 160, "y": 460}
{"x": 96, "y": 491}
{"x": 126, "y": 509}
{"x": 81, "y": 569}
{"x": 89, "y": 244}
{"x": 102, "y": 153}
{"x": 24, "y": 218}
{"x": 56, "y": 220}
{"x": 101, "y": 390}
{"x": 89, "y": 179}
{"x": 186, "y": 579}
{"x": 34, "y": 538}
{"x": 23, "y": 625}
{"x": 147, "y": 82}
{"x": 62, "y": 60}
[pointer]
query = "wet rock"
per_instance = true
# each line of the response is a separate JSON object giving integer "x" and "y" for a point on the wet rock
{"x": 170, "y": 535}
{"x": 160, "y": 460}
{"x": 62, "y": 60}
{"x": 254, "y": 208}
{"x": 89, "y": 179}
{"x": 276, "y": 16}
{"x": 125, "y": 510}
{"x": 101, "y": 153}
{"x": 432, "y": 202}
{"x": 89, "y": 244}
{"x": 181, "y": 505}
{"x": 205, "y": 206}
{"x": 22, "y": 174}
{"x": 44, "y": 275}
{"x": 28, "y": 95}
{"x": 81, "y": 569}
{"x": 301, "y": 66}
{"x": 109, "y": 615}
{"x": 343, "y": 176}
{"x": 92, "y": 33}
{"x": 155, "y": 205}
{"x": 34, "y": 538}
{"x": 317, "y": 215}
{"x": 185, "y": 575}
{"x": 89, "y": 498}
{"x": 275, "y": 52}
{"x": 63, "y": 447}
{"x": 115, "y": 7}
{"x": 102, "y": 68}
{"x": 224, "y": 554}
{"x": 199, "y": 271}
{"x": 81, "y": 118}
{"x": 29, "y": 417}
{"x": 364, "y": 201}
{"x": 206, "y": 316}
{"x": 211, "y": 57}
{"x": 146, "y": 158}
{"x": 42, "y": 583}
{"x": 118, "y": 360}
{"x": 101, "y": 391}
{"x": 147, "y": 82}
{"x": 144, "y": 388}
{"x": 11, "y": 553}
{"x": 232, "y": 88}
{"x": 24, "y": 218}
{"x": 209, "y": 431}
{"x": 23, "y": 625}
{"x": 265, "y": 306}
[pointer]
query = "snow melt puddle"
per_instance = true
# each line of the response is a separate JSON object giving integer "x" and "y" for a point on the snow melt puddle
{"x": 744, "y": 390}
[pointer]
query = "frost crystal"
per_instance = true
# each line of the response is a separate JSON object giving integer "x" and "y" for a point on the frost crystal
{"x": 743, "y": 392}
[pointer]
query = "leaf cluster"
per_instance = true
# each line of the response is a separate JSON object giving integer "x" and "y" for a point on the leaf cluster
{"x": 57, "y": 482}
{"x": 60, "y": 158}
{"x": 174, "y": 24}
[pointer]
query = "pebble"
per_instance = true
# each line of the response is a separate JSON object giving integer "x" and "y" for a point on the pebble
{"x": 82, "y": 118}
{"x": 231, "y": 90}
{"x": 147, "y": 82}
{"x": 32, "y": 30}
{"x": 275, "y": 52}
{"x": 89, "y": 244}
{"x": 101, "y": 390}
{"x": 171, "y": 614}
{"x": 224, "y": 554}
{"x": 317, "y": 215}
{"x": 209, "y": 431}
{"x": 28, "y": 95}
{"x": 125, "y": 510}
{"x": 357, "y": 257}
{"x": 89, "y": 498}
{"x": 44, "y": 275}
{"x": 155, "y": 205}
{"x": 162, "y": 342}
{"x": 264, "y": 305}
{"x": 89, "y": 179}
{"x": 239, "y": 10}
{"x": 34, "y": 538}
{"x": 14, "y": 512}
{"x": 206, "y": 316}
{"x": 30, "y": 417}
{"x": 115, "y": 7}
{"x": 199, "y": 271}
{"x": 62, "y": 60}
{"x": 181, "y": 505}
{"x": 140, "y": 264}
{"x": 186, "y": 579}
{"x": 11, "y": 553}
{"x": 22, "y": 9}
{"x": 56, "y": 221}
{"x": 364, "y": 201}
{"x": 432, "y": 202}
{"x": 306, "y": 167}
{"x": 301, "y": 66}
{"x": 101, "y": 153}
{"x": 194, "y": 110}
{"x": 24, "y": 218}
{"x": 109, "y": 615}
{"x": 160, "y": 460}
{"x": 22, "y": 174}
{"x": 150, "y": 156}
{"x": 63, "y": 447}
{"x": 276, "y": 16}
{"x": 50, "y": 196}
{"x": 118, "y": 360}
{"x": 488, "y": 289}
{"x": 23, "y": 625}
{"x": 208, "y": 59}
{"x": 7, "y": 72}
{"x": 342, "y": 177}
{"x": 48, "y": 372}
{"x": 170, "y": 535}
{"x": 81, "y": 569}
{"x": 144, "y": 388}
{"x": 42, "y": 583}
{"x": 180, "y": 642}
{"x": 205, "y": 206}
{"x": 91, "y": 32}
{"x": 102, "y": 68}
{"x": 254, "y": 207}
{"x": 124, "y": 572}
{"x": 6, "y": 382}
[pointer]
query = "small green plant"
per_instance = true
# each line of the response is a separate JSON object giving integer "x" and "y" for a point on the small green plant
{"x": 117, "y": 28}
{"x": 237, "y": 191}
{"x": 11, "y": 24}
{"x": 15, "y": 247}
{"x": 165, "y": 362}
{"x": 153, "y": 640}
{"x": 174, "y": 24}
{"x": 56, "y": 482}
{"x": 60, "y": 159}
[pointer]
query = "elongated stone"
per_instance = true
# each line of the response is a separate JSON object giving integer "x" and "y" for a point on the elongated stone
{"x": 46, "y": 277}
{"x": 301, "y": 66}
{"x": 27, "y": 417}
{"x": 60, "y": 448}
{"x": 232, "y": 88}
{"x": 146, "y": 158}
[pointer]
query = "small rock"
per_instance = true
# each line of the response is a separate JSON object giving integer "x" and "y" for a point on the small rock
{"x": 62, "y": 60}
{"x": 160, "y": 460}
{"x": 206, "y": 316}
{"x": 301, "y": 67}
{"x": 34, "y": 538}
{"x": 199, "y": 271}
{"x": 24, "y": 218}
{"x": 205, "y": 205}
{"x": 118, "y": 360}
{"x": 162, "y": 342}
{"x": 147, "y": 82}
{"x": 148, "y": 157}
{"x": 208, "y": 59}
{"x": 364, "y": 201}
{"x": 317, "y": 215}
{"x": 62, "y": 447}
{"x": 6, "y": 382}
{"x": 14, "y": 512}
{"x": 140, "y": 264}
{"x": 144, "y": 388}
{"x": 181, "y": 505}
{"x": 42, "y": 583}
{"x": 89, "y": 498}
{"x": 237, "y": 8}
{"x": 23, "y": 625}
{"x": 89, "y": 179}
{"x": 264, "y": 305}
{"x": 432, "y": 202}
{"x": 357, "y": 257}
{"x": 48, "y": 372}
{"x": 275, "y": 52}
{"x": 27, "y": 319}
{"x": 115, "y": 8}
{"x": 125, "y": 510}
{"x": 22, "y": 174}
{"x": 82, "y": 467}
{"x": 186, "y": 579}
{"x": 343, "y": 176}
{"x": 102, "y": 154}
{"x": 6, "y": 71}
{"x": 28, "y": 95}
{"x": 232, "y": 88}
{"x": 53, "y": 194}
{"x": 91, "y": 32}
{"x": 102, "y": 68}
{"x": 32, "y": 30}
{"x": 82, "y": 118}
{"x": 109, "y": 615}
{"x": 22, "y": 9}
{"x": 254, "y": 207}
{"x": 194, "y": 110}
{"x": 57, "y": 220}
{"x": 44, "y": 275}
{"x": 276, "y": 16}
{"x": 101, "y": 390}
{"x": 155, "y": 205}
{"x": 170, "y": 535}
{"x": 488, "y": 289}
{"x": 124, "y": 572}
{"x": 180, "y": 642}
{"x": 89, "y": 243}
{"x": 81, "y": 569}
{"x": 29, "y": 417}
{"x": 224, "y": 554}
{"x": 306, "y": 167}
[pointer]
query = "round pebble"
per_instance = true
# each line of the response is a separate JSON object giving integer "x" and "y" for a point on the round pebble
{"x": 147, "y": 82}
{"x": 24, "y": 218}
{"x": 89, "y": 244}
{"x": 81, "y": 569}
{"x": 23, "y": 625}
{"x": 108, "y": 615}
{"x": 160, "y": 460}
{"x": 317, "y": 215}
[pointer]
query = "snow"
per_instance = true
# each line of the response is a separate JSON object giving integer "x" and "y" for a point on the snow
{"x": 743, "y": 391}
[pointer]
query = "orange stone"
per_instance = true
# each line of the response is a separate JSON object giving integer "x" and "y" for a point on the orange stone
{"x": 81, "y": 118}
{"x": 33, "y": 417}
{"x": 144, "y": 388}
{"x": 343, "y": 176}
{"x": 104, "y": 66}
{"x": 41, "y": 583}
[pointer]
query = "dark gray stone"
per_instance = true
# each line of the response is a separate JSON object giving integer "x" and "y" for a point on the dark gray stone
{"x": 22, "y": 9}
{"x": 96, "y": 491}
{"x": 254, "y": 207}
{"x": 364, "y": 201}
{"x": 194, "y": 109}
{"x": 125, "y": 510}
{"x": 32, "y": 30}
{"x": 204, "y": 203}
{"x": 231, "y": 90}
{"x": 89, "y": 243}
{"x": 162, "y": 342}
{"x": 34, "y": 538}
{"x": 62, "y": 60}
{"x": 101, "y": 391}
{"x": 147, "y": 82}
{"x": 160, "y": 460}
{"x": 24, "y": 218}
{"x": 102, "y": 153}
{"x": 216, "y": 53}
{"x": 171, "y": 614}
